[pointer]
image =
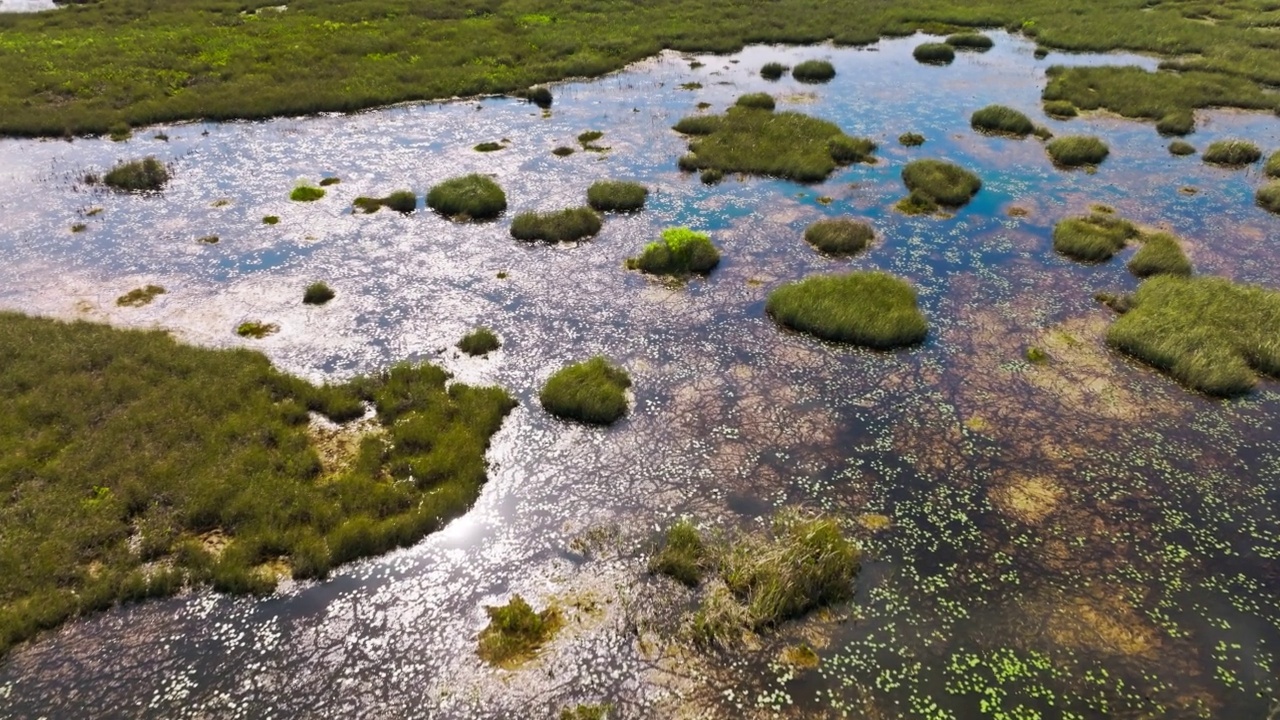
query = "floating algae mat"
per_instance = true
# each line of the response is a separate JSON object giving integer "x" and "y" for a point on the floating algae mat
{"x": 1048, "y": 528}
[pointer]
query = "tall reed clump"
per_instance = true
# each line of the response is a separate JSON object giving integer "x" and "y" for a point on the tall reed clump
{"x": 868, "y": 308}
{"x": 616, "y": 196}
{"x": 558, "y": 226}
{"x": 1077, "y": 151}
{"x": 146, "y": 175}
{"x": 1212, "y": 334}
{"x": 1096, "y": 238}
{"x": 1231, "y": 153}
{"x": 1002, "y": 120}
{"x": 679, "y": 251}
{"x": 840, "y": 237}
{"x": 942, "y": 182}
{"x": 470, "y": 197}
{"x": 592, "y": 391}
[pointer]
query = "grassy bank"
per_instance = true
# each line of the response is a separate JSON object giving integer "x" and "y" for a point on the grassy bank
{"x": 133, "y": 465}
{"x": 90, "y": 66}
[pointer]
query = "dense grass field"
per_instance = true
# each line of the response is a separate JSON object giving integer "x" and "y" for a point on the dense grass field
{"x": 91, "y": 66}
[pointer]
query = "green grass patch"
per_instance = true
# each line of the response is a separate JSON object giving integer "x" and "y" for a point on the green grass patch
{"x": 587, "y": 712}
{"x": 306, "y": 193}
{"x": 873, "y": 309}
{"x": 326, "y": 182}
{"x": 1160, "y": 254}
{"x": 317, "y": 293}
{"x": 773, "y": 70}
{"x": 479, "y": 342}
{"x": 944, "y": 183}
{"x": 916, "y": 203}
{"x": 1178, "y": 122}
{"x": 470, "y": 197}
{"x": 683, "y": 556}
{"x": 402, "y": 201}
{"x": 1272, "y": 166}
{"x": 592, "y": 391}
{"x": 910, "y": 139}
{"x": 970, "y": 41}
{"x": 680, "y": 251}
{"x": 934, "y": 54}
{"x": 787, "y": 144}
{"x": 563, "y": 151}
{"x": 1181, "y": 147}
{"x": 1231, "y": 153}
{"x": 1096, "y": 238}
{"x": 78, "y": 227}
{"x": 256, "y": 329}
{"x": 813, "y": 71}
{"x": 1209, "y": 333}
{"x": 1268, "y": 197}
{"x": 146, "y": 175}
{"x": 1077, "y": 151}
{"x": 589, "y": 137}
{"x": 759, "y": 101}
{"x": 616, "y": 196}
{"x": 489, "y": 147}
{"x": 1060, "y": 109}
{"x": 208, "y": 240}
{"x": 558, "y": 226}
{"x": 1002, "y": 120}
{"x": 270, "y": 220}
{"x": 839, "y": 236}
{"x": 516, "y": 632}
{"x": 140, "y": 296}
{"x": 538, "y": 95}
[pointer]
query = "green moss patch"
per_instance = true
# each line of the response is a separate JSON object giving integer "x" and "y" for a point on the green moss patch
{"x": 1231, "y": 153}
{"x": 1160, "y": 254}
{"x": 942, "y": 182}
{"x": 1077, "y": 151}
{"x": 140, "y": 296}
{"x": 306, "y": 193}
{"x": 616, "y": 196}
{"x": 593, "y": 391}
{"x": 679, "y": 251}
{"x": 479, "y": 342}
{"x": 839, "y": 236}
{"x": 146, "y": 175}
{"x": 873, "y": 309}
{"x": 1001, "y": 120}
{"x": 813, "y": 71}
{"x": 557, "y": 226}
{"x": 934, "y": 54}
{"x": 470, "y": 197}
{"x": 317, "y": 293}
{"x": 1096, "y": 238}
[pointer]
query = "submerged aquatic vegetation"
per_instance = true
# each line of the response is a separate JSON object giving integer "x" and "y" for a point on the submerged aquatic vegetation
{"x": 679, "y": 251}
{"x": 934, "y": 53}
{"x": 1181, "y": 147}
{"x": 773, "y": 70}
{"x": 1231, "y": 153}
{"x": 1002, "y": 120}
{"x": 1209, "y": 333}
{"x": 146, "y": 175}
{"x": 1061, "y": 109}
{"x": 868, "y": 308}
{"x": 759, "y": 101}
{"x": 515, "y": 632}
{"x": 558, "y": 226}
{"x": 1160, "y": 254}
{"x": 970, "y": 41}
{"x": 306, "y": 193}
{"x": 140, "y": 296}
{"x": 1077, "y": 151}
{"x": 839, "y": 236}
{"x": 813, "y": 71}
{"x": 469, "y": 197}
{"x": 616, "y": 195}
{"x": 317, "y": 293}
{"x": 787, "y": 144}
{"x": 478, "y": 342}
{"x": 592, "y": 391}
{"x": 1095, "y": 238}
{"x": 402, "y": 201}
{"x": 943, "y": 182}
{"x": 1268, "y": 197}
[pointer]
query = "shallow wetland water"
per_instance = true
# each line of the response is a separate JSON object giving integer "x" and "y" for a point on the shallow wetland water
{"x": 1083, "y": 538}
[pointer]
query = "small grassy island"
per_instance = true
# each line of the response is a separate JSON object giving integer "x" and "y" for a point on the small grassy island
{"x": 146, "y": 175}
{"x": 1001, "y": 120}
{"x": 1181, "y": 148}
{"x": 318, "y": 293}
{"x": 1160, "y": 254}
{"x": 934, "y": 54}
{"x": 516, "y": 632}
{"x": 680, "y": 251}
{"x": 1268, "y": 197}
{"x": 873, "y": 309}
{"x": 1231, "y": 153}
{"x": 1077, "y": 151}
{"x": 402, "y": 201}
{"x": 592, "y": 391}
{"x": 479, "y": 342}
{"x": 1213, "y": 335}
{"x": 940, "y": 182}
{"x": 755, "y": 141}
{"x": 1096, "y": 238}
{"x": 558, "y": 226}
{"x": 773, "y": 70}
{"x": 839, "y": 236}
{"x": 616, "y": 196}
{"x": 813, "y": 71}
{"x": 470, "y": 197}
{"x": 306, "y": 193}
{"x": 972, "y": 41}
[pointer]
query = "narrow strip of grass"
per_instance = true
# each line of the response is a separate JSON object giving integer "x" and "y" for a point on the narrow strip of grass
{"x": 592, "y": 391}
{"x": 873, "y": 309}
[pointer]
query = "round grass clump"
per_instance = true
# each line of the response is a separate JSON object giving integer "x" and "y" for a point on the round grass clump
{"x": 1272, "y": 167}
{"x": 970, "y": 41}
{"x": 488, "y": 147}
{"x": 943, "y": 182}
{"x": 1179, "y": 122}
{"x": 1160, "y": 254}
{"x": 593, "y": 391}
{"x": 874, "y": 309}
{"x": 773, "y": 71}
{"x": 271, "y": 220}
{"x": 317, "y": 293}
{"x": 1003, "y": 120}
{"x": 916, "y": 203}
{"x": 813, "y": 71}
{"x": 306, "y": 193}
{"x": 479, "y": 342}
{"x": 1268, "y": 197}
{"x": 1231, "y": 153}
{"x": 562, "y": 151}
{"x": 911, "y": 139}
{"x": 839, "y": 236}
{"x": 1077, "y": 151}
{"x": 934, "y": 54}
{"x": 711, "y": 176}
{"x": 758, "y": 101}
{"x": 146, "y": 175}
{"x": 679, "y": 251}
{"x": 540, "y": 96}
{"x": 1092, "y": 239}
{"x": 558, "y": 226}
{"x": 1181, "y": 147}
{"x": 698, "y": 124}
{"x": 1060, "y": 109}
{"x": 616, "y": 196}
{"x": 470, "y": 197}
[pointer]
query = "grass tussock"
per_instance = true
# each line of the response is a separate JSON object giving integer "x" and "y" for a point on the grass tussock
{"x": 917, "y": 203}
{"x": 1268, "y": 197}
{"x": 910, "y": 139}
{"x": 470, "y": 197}
{"x": 562, "y": 151}
{"x": 1077, "y": 151}
{"x": 1096, "y": 238}
{"x": 587, "y": 712}
{"x": 317, "y": 293}
{"x": 487, "y": 147}
{"x": 679, "y": 251}
{"x": 558, "y": 226}
{"x": 970, "y": 41}
{"x": 1160, "y": 254}
{"x": 942, "y": 182}
{"x": 786, "y": 144}
{"x": 934, "y": 54}
{"x": 616, "y": 196}
{"x": 1181, "y": 148}
{"x": 271, "y": 220}
{"x": 873, "y": 309}
{"x": 813, "y": 71}
{"x": 683, "y": 556}
{"x": 1231, "y": 153}
{"x": 1272, "y": 166}
{"x": 592, "y": 391}
{"x": 773, "y": 71}
{"x": 306, "y": 193}
{"x": 711, "y": 176}
{"x": 146, "y": 175}
{"x": 140, "y": 296}
{"x": 516, "y": 632}
{"x": 479, "y": 342}
{"x": 402, "y": 201}
{"x": 1178, "y": 122}
{"x": 327, "y": 181}
{"x": 256, "y": 329}
{"x": 1002, "y": 120}
{"x": 1060, "y": 109}
{"x": 1209, "y": 333}
{"x": 839, "y": 236}
{"x": 759, "y": 101}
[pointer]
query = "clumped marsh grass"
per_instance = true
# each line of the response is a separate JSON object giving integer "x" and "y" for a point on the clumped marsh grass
{"x": 327, "y": 181}
{"x": 402, "y": 201}
{"x": 1268, "y": 197}
{"x": 679, "y": 251}
{"x": 942, "y": 182}
{"x": 538, "y": 95}
{"x": 270, "y": 220}
{"x": 910, "y": 139}
{"x": 146, "y": 175}
{"x": 1096, "y": 238}
{"x": 916, "y": 203}
{"x": 1160, "y": 254}
{"x": 934, "y": 54}
{"x": 120, "y": 132}
{"x": 256, "y": 329}
{"x": 1209, "y": 333}
{"x": 786, "y": 144}
{"x": 1181, "y": 147}
{"x": 1178, "y": 122}
{"x": 970, "y": 41}
{"x": 479, "y": 342}
{"x": 813, "y": 71}
{"x": 759, "y": 101}
{"x": 1231, "y": 153}
{"x": 1077, "y": 151}
{"x": 78, "y": 227}
{"x": 1002, "y": 120}
{"x": 208, "y": 240}
{"x": 592, "y": 391}
{"x": 839, "y": 236}
{"x": 469, "y": 197}
{"x": 587, "y": 712}
{"x": 140, "y": 296}
{"x": 516, "y": 632}
{"x": 683, "y": 556}
{"x": 711, "y": 176}
{"x": 563, "y": 151}
{"x": 868, "y": 308}
{"x": 558, "y": 226}
{"x": 1060, "y": 109}
{"x": 159, "y": 443}
{"x": 489, "y": 147}
{"x": 616, "y": 196}
{"x": 306, "y": 193}
{"x": 1272, "y": 166}
{"x": 773, "y": 70}
{"x": 317, "y": 293}
{"x": 588, "y": 137}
